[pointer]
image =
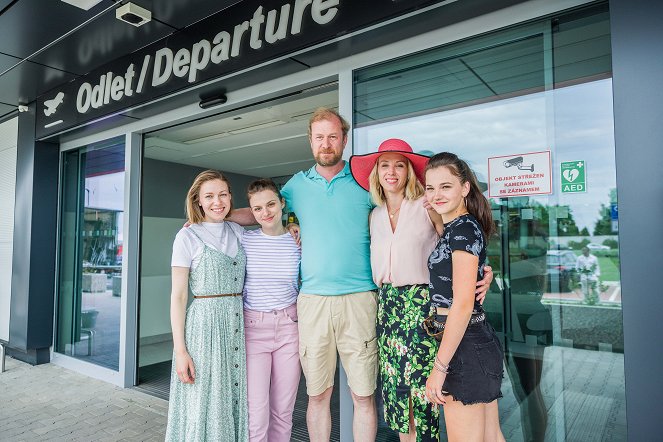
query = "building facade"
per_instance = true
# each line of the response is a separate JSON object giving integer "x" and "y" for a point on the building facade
{"x": 554, "y": 104}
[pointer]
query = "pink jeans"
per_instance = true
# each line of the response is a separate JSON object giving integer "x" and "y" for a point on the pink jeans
{"x": 273, "y": 371}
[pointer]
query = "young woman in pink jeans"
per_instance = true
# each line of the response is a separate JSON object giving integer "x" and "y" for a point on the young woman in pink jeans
{"x": 270, "y": 317}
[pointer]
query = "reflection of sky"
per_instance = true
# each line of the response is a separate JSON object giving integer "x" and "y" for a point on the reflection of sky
{"x": 575, "y": 123}
{"x": 105, "y": 191}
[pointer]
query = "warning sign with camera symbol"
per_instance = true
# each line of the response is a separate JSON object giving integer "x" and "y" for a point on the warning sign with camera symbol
{"x": 519, "y": 175}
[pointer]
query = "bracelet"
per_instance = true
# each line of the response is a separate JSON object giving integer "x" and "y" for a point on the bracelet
{"x": 441, "y": 366}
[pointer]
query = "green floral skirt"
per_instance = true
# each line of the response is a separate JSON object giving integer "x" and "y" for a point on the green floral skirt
{"x": 406, "y": 356}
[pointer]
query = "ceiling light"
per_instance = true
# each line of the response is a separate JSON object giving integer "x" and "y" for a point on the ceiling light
{"x": 206, "y": 138}
{"x": 83, "y": 4}
{"x": 256, "y": 127}
{"x": 133, "y": 14}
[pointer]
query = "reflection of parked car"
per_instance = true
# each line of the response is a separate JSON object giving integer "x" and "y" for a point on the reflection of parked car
{"x": 593, "y": 246}
{"x": 561, "y": 266}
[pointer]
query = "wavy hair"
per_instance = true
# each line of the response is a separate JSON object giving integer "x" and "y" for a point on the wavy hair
{"x": 475, "y": 202}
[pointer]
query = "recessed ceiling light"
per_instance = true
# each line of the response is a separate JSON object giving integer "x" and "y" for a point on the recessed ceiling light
{"x": 83, "y": 4}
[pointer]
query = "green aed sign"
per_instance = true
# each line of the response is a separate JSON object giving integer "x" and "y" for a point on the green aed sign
{"x": 573, "y": 176}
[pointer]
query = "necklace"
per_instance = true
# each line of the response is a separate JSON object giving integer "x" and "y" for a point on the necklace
{"x": 217, "y": 238}
{"x": 392, "y": 214}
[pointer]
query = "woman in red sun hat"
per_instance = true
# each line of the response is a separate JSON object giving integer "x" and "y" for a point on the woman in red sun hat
{"x": 403, "y": 235}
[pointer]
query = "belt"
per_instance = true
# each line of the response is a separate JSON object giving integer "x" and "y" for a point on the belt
{"x": 476, "y": 318}
{"x": 217, "y": 296}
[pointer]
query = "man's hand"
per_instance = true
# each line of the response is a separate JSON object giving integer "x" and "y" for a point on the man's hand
{"x": 484, "y": 284}
{"x": 294, "y": 230}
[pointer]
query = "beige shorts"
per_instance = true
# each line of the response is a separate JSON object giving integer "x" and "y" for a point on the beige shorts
{"x": 343, "y": 323}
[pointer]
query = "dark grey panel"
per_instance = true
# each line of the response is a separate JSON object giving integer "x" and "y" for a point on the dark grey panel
{"x": 108, "y": 123}
{"x": 4, "y": 4}
{"x": 106, "y": 39}
{"x": 6, "y": 108}
{"x": 637, "y": 30}
{"x": 28, "y": 80}
{"x": 165, "y": 185}
{"x": 36, "y": 23}
{"x": 436, "y": 18}
{"x": 228, "y": 86}
{"x": 182, "y": 13}
{"x": 33, "y": 265}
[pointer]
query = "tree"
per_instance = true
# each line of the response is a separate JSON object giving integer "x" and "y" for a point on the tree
{"x": 603, "y": 225}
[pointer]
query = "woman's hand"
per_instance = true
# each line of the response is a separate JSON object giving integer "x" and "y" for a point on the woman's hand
{"x": 184, "y": 368}
{"x": 295, "y": 232}
{"x": 434, "y": 387}
{"x": 484, "y": 284}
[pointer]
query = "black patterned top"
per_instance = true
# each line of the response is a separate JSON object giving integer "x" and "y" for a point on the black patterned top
{"x": 463, "y": 233}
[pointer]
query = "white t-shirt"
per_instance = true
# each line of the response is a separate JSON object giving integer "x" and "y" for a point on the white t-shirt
{"x": 272, "y": 271}
{"x": 187, "y": 248}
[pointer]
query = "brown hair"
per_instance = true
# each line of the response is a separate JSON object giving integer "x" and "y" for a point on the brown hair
{"x": 475, "y": 202}
{"x": 260, "y": 185}
{"x": 413, "y": 188}
{"x": 328, "y": 114}
{"x": 194, "y": 213}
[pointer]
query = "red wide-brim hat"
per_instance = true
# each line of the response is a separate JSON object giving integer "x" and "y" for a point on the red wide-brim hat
{"x": 362, "y": 165}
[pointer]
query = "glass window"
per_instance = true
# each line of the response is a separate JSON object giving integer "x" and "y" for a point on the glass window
{"x": 90, "y": 272}
{"x": 528, "y": 101}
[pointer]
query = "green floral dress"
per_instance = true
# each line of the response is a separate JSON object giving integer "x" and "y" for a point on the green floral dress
{"x": 406, "y": 356}
{"x": 214, "y": 407}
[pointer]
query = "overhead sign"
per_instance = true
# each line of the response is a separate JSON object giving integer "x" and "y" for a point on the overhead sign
{"x": 519, "y": 174}
{"x": 573, "y": 176}
{"x": 245, "y": 34}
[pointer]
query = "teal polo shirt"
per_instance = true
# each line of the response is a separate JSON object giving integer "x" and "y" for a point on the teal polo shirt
{"x": 334, "y": 226}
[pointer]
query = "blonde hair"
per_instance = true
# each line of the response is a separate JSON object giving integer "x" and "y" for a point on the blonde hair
{"x": 328, "y": 114}
{"x": 195, "y": 213}
{"x": 413, "y": 188}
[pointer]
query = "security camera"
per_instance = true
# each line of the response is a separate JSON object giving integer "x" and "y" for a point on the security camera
{"x": 133, "y": 14}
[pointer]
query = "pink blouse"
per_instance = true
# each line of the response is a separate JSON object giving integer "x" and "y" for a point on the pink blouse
{"x": 401, "y": 257}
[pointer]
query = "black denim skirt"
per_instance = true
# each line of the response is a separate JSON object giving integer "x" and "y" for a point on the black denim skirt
{"x": 476, "y": 369}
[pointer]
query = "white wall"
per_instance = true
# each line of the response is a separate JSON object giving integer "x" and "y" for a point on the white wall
{"x": 8, "y": 137}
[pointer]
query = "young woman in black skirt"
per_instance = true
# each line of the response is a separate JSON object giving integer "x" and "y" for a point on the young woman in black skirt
{"x": 467, "y": 372}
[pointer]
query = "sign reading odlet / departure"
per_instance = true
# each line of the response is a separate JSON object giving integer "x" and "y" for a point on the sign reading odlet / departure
{"x": 519, "y": 175}
{"x": 245, "y": 34}
{"x": 573, "y": 176}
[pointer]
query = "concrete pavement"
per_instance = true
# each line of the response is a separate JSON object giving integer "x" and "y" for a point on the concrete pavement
{"x": 51, "y": 403}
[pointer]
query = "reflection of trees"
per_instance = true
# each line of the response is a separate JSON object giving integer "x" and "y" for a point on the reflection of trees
{"x": 566, "y": 223}
{"x": 100, "y": 237}
{"x": 603, "y": 225}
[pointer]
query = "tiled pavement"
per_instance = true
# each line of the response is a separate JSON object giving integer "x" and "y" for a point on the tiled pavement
{"x": 583, "y": 391}
{"x": 50, "y": 403}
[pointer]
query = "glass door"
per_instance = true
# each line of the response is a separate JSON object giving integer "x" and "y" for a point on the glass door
{"x": 534, "y": 102}
{"x": 90, "y": 264}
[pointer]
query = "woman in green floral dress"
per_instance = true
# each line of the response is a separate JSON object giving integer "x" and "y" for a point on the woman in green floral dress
{"x": 208, "y": 395}
{"x": 403, "y": 234}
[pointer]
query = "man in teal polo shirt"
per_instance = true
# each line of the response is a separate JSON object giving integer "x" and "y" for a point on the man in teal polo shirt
{"x": 337, "y": 305}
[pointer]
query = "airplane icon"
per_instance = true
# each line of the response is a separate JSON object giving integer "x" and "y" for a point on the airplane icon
{"x": 52, "y": 105}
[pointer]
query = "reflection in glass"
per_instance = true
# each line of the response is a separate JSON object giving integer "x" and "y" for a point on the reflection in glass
{"x": 556, "y": 297}
{"x": 90, "y": 279}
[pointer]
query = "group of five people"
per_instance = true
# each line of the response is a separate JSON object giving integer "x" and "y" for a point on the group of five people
{"x": 391, "y": 241}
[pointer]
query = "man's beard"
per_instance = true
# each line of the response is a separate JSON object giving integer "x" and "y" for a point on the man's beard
{"x": 334, "y": 160}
